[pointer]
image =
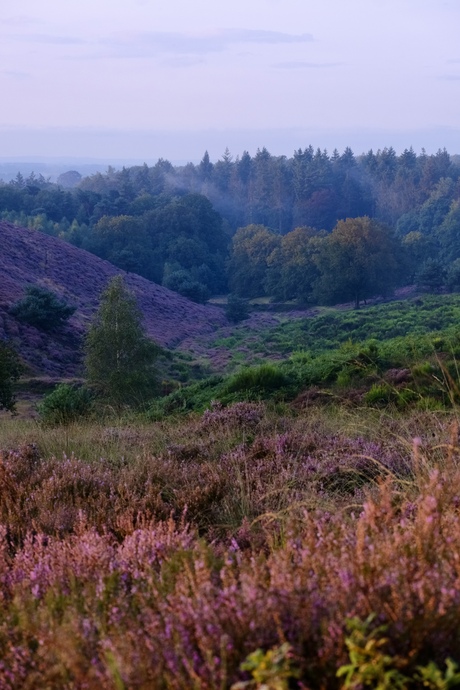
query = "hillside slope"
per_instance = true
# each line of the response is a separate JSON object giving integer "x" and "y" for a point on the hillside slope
{"x": 28, "y": 257}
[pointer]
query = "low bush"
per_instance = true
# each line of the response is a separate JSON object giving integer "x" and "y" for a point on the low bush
{"x": 42, "y": 308}
{"x": 194, "y": 397}
{"x": 90, "y": 597}
{"x": 65, "y": 404}
{"x": 237, "y": 309}
{"x": 381, "y": 394}
{"x": 264, "y": 380}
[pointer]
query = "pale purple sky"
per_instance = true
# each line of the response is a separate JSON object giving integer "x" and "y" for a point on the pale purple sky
{"x": 140, "y": 79}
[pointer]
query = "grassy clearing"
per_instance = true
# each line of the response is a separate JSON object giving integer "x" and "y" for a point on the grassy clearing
{"x": 333, "y": 327}
{"x": 411, "y": 371}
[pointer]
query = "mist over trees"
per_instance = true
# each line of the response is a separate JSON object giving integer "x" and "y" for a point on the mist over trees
{"x": 259, "y": 225}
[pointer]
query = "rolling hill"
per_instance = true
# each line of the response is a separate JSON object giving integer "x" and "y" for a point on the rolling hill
{"x": 30, "y": 257}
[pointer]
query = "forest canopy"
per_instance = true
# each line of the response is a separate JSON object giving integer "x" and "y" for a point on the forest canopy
{"x": 258, "y": 225}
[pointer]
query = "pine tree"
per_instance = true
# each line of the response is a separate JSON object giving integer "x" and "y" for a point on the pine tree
{"x": 119, "y": 356}
{"x": 42, "y": 308}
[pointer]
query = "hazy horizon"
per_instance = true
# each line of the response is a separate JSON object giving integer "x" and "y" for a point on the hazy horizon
{"x": 133, "y": 148}
{"x": 139, "y": 81}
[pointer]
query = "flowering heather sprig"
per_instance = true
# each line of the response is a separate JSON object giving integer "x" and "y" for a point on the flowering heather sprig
{"x": 243, "y": 415}
{"x": 292, "y": 532}
{"x": 163, "y": 609}
{"x": 219, "y": 479}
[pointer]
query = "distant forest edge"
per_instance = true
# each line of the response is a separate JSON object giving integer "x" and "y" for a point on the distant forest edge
{"x": 314, "y": 228}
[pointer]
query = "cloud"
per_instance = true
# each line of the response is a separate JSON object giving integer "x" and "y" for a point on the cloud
{"x": 202, "y": 43}
{"x": 12, "y": 74}
{"x": 306, "y": 65}
{"x": 18, "y": 21}
{"x": 181, "y": 61}
{"x": 51, "y": 39}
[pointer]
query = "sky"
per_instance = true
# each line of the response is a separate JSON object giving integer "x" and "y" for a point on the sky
{"x": 137, "y": 80}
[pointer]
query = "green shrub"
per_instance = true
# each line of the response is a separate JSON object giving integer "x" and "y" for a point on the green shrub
{"x": 406, "y": 397}
{"x": 10, "y": 370}
{"x": 372, "y": 665}
{"x": 65, "y": 404}
{"x": 237, "y": 309}
{"x": 182, "y": 282}
{"x": 424, "y": 369}
{"x": 344, "y": 378}
{"x": 264, "y": 379}
{"x": 380, "y": 394}
{"x": 195, "y": 397}
{"x": 429, "y": 404}
{"x": 271, "y": 670}
{"x": 42, "y": 308}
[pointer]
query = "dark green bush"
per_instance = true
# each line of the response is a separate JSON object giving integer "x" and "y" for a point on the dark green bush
{"x": 42, "y": 308}
{"x": 10, "y": 370}
{"x": 237, "y": 309}
{"x": 183, "y": 282}
{"x": 65, "y": 404}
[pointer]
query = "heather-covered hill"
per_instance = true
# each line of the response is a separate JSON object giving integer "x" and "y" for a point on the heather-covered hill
{"x": 29, "y": 257}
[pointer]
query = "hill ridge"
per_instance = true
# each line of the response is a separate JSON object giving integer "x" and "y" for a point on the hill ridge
{"x": 31, "y": 257}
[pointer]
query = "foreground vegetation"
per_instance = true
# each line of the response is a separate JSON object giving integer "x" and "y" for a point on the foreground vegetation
{"x": 288, "y": 525}
{"x": 161, "y": 555}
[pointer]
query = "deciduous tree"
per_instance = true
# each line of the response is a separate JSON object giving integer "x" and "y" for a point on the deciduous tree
{"x": 357, "y": 260}
{"x": 119, "y": 356}
{"x": 247, "y": 272}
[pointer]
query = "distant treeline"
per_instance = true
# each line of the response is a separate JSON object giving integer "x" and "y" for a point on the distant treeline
{"x": 262, "y": 225}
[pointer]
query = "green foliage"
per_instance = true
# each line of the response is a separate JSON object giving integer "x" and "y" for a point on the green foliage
{"x": 119, "y": 356}
{"x": 271, "y": 670}
{"x": 370, "y": 666}
{"x": 292, "y": 270}
{"x": 409, "y": 321}
{"x": 123, "y": 241}
{"x": 10, "y": 370}
{"x": 431, "y": 276}
{"x": 417, "y": 248}
{"x": 237, "y": 309}
{"x": 247, "y": 269}
{"x": 181, "y": 281}
{"x": 142, "y": 217}
{"x": 448, "y": 235}
{"x": 357, "y": 260}
{"x": 400, "y": 372}
{"x": 65, "y": 404}
{"x": 431, "y": 676}
{"x": 189, "y": 232}
{"x": 42, "y": 308}
{"x": 453, "y": 276}
{"x": 263, "y": 380}
{"x": 380, "y": 394}
{"x": 196, "y": 396}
